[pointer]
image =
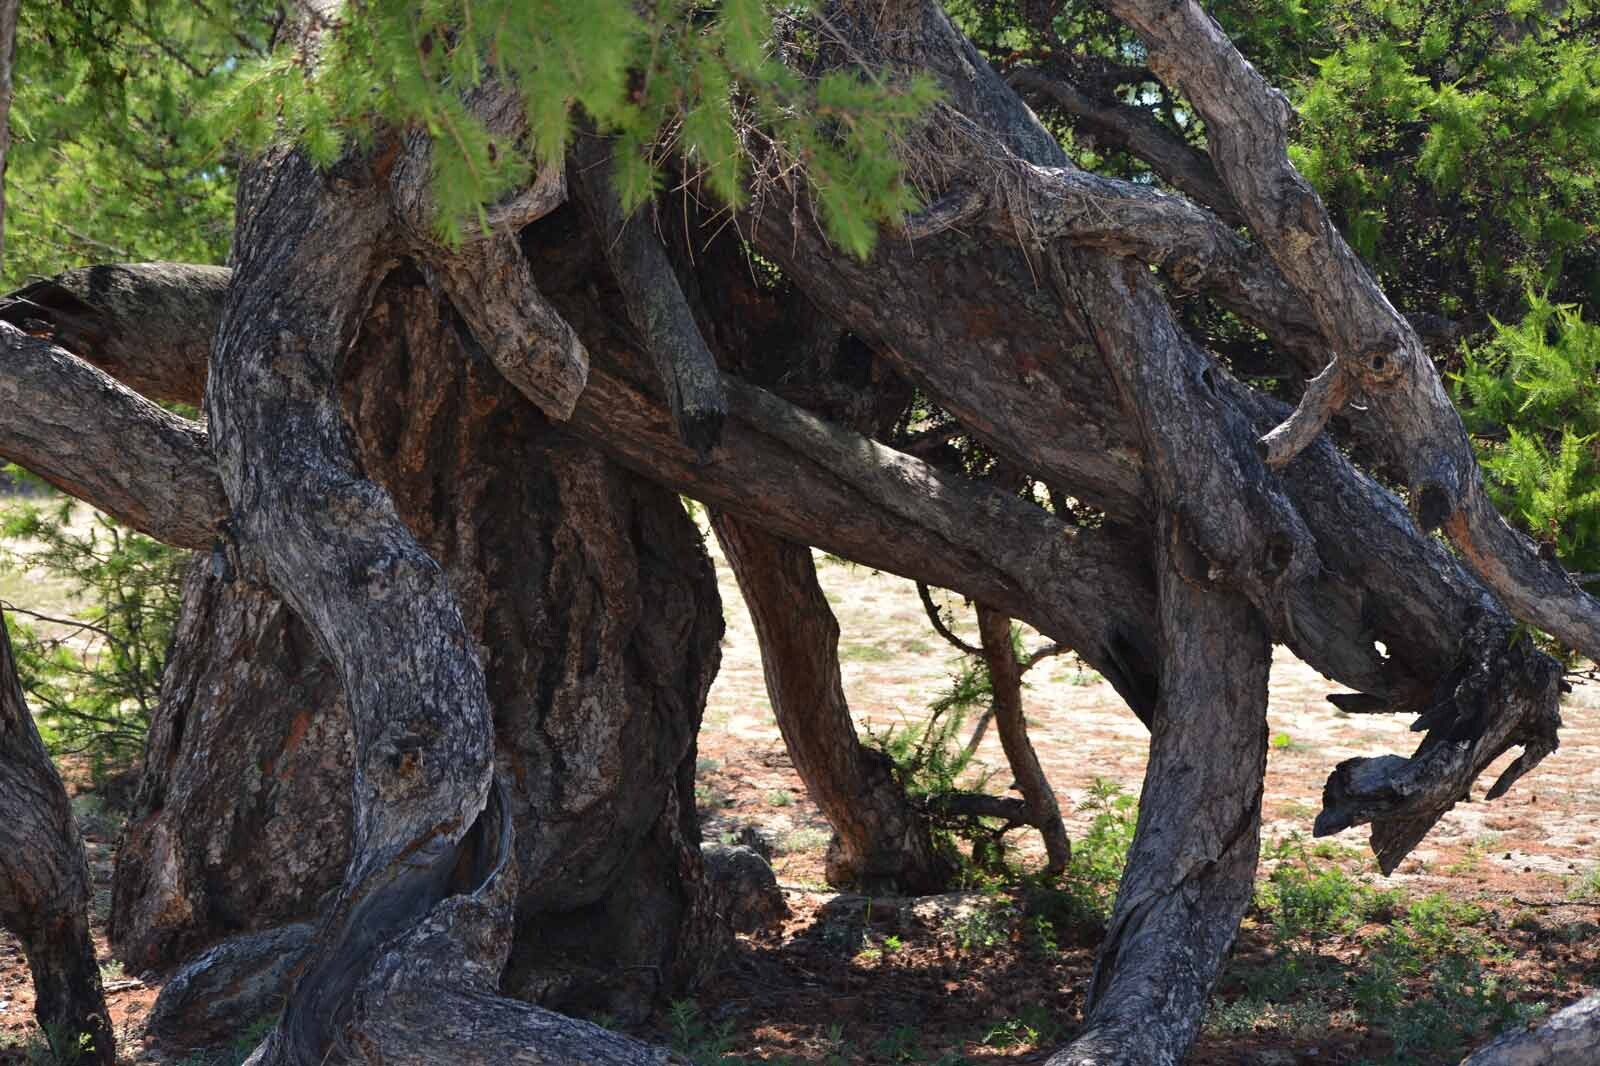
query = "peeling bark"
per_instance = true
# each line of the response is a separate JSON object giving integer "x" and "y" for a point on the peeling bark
{"x": 881, "y": 843}
{"x": 45, "y": 886}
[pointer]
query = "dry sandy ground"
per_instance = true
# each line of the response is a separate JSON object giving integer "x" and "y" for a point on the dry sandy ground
{"x": 1539, "y": 836}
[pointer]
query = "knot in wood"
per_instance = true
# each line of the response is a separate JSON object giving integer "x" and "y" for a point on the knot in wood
{"x": 1383, "y": 363}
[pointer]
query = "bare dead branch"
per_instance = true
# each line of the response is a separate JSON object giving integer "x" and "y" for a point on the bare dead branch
{"x": 936, "y": 619}
{"x": 1324, "y": 395}
{"x": 95, "y": 439}
{"x": 656, "y": 303}
{"x": 1247, "y": 123}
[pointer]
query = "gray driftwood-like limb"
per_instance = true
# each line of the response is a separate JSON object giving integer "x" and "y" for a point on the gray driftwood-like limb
{"x": 1247, "y": 124}
{"x": 1180, "y": 164}
{"x": 95, "y": 439}
{"x": 1323, "y": 397}
{"x": 1570, "y": 1037}
{"x": 1403, "y": 798}
{"x": 655, "y": 302}
{"x": 1005, "y": 676}
{"x": 1081, "y": 587}
{"x": 1191, "y": 869}
{"x": 1379, "y": 579}
{"x": 881, "y": 841}
{"x": 486, "y": 277}
{"x": 45, "y": 885}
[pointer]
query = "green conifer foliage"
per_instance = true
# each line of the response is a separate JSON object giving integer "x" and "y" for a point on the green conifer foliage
{"x": 694, "y": 78}
{"x": 1531, "y": 398}
{"x": 112, "y": 159}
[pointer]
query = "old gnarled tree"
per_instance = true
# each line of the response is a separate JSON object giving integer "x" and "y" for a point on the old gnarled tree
{"x": 425, "y": 751}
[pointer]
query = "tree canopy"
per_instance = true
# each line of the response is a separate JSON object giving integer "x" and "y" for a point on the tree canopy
{"x": 1175, "y": 331}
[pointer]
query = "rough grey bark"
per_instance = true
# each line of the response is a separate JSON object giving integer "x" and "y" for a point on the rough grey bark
{"x": 95, "y": 439}
{"x": 149, "y": 325}
{"x": 881, "y": 842}
{"x": 1247, "y": 123}
{"x": 964, "y": 319}
{"x": 1005, "y": 677}
{"x": 595, "y": 610}
{"x": 44, "y": 884}
{"x": 1570, "y": 1037}
{"x": 1191, "y": 869}
{"x": 407, "y": 956}
{"x": 656, "y": 304}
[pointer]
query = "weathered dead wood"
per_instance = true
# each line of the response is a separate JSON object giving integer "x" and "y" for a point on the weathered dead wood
{"x": 1247, "y": 123}
{"x": 149, "y": 325}
{"x": 1005, "y": 677}
{"x": 1372, "y": 578}
{"x": 45, "y": 885}
{"x": 490, "y": 285}
{"x": 594, "y": 607}
{"x": 1468, "y": 730}
{"x": 1191, "y": 869}
{"x": 1570, "y": 1037}
{"x": 305, "y": 260}
{"x": 95, "y": 439}
{"x": 1083, "y": 587}
{"x": 881, "y": 842}
{"x": 1323, "y": 397}
{"x": 486, "y": 276}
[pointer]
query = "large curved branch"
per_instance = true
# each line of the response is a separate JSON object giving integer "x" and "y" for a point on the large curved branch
{"x": 1081, "y": 587}
{"x": 95, "y": 439}
{"x": 1247, "y": 123}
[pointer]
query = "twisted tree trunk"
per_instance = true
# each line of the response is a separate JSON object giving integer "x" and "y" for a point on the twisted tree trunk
{"x": 593, "y": 606}
{"x": 881, "y": 843}
{"x": 45, "y": 886}
{"x": 1191, "y": 869}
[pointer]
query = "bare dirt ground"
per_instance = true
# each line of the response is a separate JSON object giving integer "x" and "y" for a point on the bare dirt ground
{"x": 959, "y": 979}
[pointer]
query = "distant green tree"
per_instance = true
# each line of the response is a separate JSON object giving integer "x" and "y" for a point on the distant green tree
{"x": 114, "y": 94}
{"x": 93, "y": 678}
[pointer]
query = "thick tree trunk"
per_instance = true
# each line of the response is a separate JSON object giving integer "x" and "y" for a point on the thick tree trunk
{"x": 595, "y": 611}
{"x": 242, "y": 818}
{"x": 45, "y": 886}
{"x": 881, "y": 843}
{"x": 1191, "y": 869}
{"x": 1005, "y": 677}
